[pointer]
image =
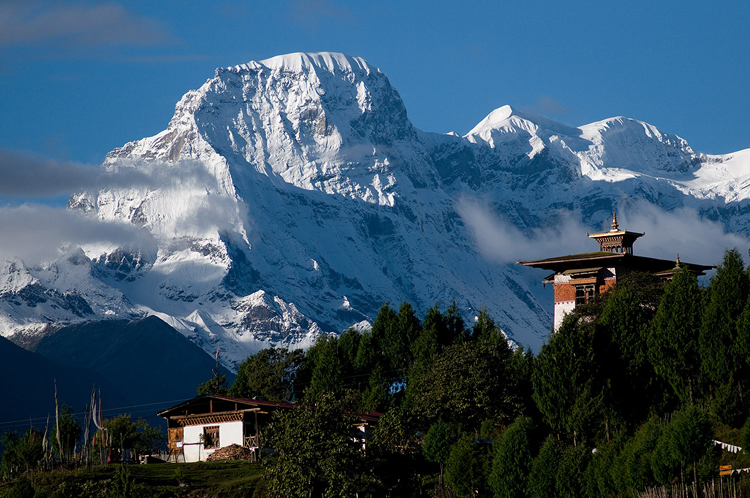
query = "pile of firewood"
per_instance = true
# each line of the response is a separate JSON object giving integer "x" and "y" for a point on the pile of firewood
{"x": 231, "y": 452}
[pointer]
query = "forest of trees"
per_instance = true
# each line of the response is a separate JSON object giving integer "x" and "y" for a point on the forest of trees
{"x": 629, "y": 394}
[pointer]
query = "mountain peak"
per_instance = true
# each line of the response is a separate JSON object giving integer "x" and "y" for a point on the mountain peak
{"x": 297, "y": 62}
{"x": 493, "y": 120}
{"x": 330, "y": 61}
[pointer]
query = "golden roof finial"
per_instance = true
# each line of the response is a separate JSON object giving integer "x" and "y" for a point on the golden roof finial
{"x": 677, "y": 263}
{"x": 614, "y": 222}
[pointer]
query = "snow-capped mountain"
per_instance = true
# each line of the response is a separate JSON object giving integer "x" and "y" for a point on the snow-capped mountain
{"x": 293, "y": 197}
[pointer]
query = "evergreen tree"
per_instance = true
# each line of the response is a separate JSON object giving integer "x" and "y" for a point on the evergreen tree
{"x": 327, "y": 372}
{"x": 521, "y": 388}
{"x": 512, "y": 460}
{"x": 387, "y": 341}
{"x": 375, "y": 396}
{"x": 664, "y": 465}
{"x": 727, "y": 297}
{"x": 682, "y": 445}
{"x": 638, "y": 453}
{"x": 565, "y": 380}
{"x": 673, "y": 339}
{"x": 432, "y": 338}
{"x": 543, "y": 472}
{"x": 602, "y": 475}
{"x": 690, "y": 437}
{"x": 215, "y": 385}
{"x": 569, "y": 481}
{"x": 399, "y": 340}
{"x": 269, "y": 374}
{"x": 464, "y": 470}
{"x": 485, "y": 328}
{"x": 368, "y": 354}
{"x": 621, "y": 348}
{"x": 456, "y": 331}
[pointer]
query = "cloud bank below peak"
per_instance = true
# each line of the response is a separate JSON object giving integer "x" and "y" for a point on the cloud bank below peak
{"x": 667, "y": 233}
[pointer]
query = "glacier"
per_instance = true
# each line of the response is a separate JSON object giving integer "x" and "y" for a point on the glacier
{"x": 292, "y": 197}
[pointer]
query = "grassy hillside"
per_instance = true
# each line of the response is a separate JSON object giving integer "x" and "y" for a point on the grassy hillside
{"x": 196, "y": 480}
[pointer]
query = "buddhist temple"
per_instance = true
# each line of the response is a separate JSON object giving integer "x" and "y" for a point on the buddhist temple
{"x": 579, "y": 277}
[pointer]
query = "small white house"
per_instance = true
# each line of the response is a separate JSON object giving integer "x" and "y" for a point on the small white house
{"x": 200, "y": 426}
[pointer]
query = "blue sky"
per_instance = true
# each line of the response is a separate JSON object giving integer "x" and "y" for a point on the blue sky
{"x": 78, "y": 79}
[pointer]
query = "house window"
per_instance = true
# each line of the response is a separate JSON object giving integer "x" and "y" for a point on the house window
{"x": 584, "y": 293}
{"x": 211, "y": 437}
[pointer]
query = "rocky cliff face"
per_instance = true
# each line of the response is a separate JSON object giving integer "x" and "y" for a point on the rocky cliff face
{"x": 292, "y": 197}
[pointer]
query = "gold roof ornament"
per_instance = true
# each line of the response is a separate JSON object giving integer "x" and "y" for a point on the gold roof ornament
{"x": 677, "y": 263}
{"x": 616, "y": 240}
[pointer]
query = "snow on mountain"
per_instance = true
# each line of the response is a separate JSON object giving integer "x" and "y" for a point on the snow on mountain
{"x": 292, "y": 197}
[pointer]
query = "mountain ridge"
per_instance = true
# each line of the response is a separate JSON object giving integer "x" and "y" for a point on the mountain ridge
{"x": 295, "y": 197}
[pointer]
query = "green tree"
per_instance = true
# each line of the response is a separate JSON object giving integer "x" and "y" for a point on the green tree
{"x": 512, "y": 460}
{"x": 376, "y": 394}
{"x": 122, "y": 431}
{"x": 638, "y": 454}
{"x": 673, "y": 339}
{"x": 384, "y": 330}
{"x": 569, "y": 481}
{"x": 269, "y": 374}
{"x": 21, "y": 454}
{"x": 485, "y": 328}
{"x": 690, "y": 437}
{"x": 327, "y": 372}
{"x": 465, "y": 468}
{"x": 137, "y": 435}
{"x": 437, "y": 445}
{"x": 456, "y": 330}
{"x": 399, "y": 339}
{"x": 466, "y": 384}
{"x": 70, "y": 433}
{"x": 149, "y": 439}
{"x": 565, "y": 380}
{"x": 630, "y": 390}
{"x": 727, "y": 297}
{"x": 602, "y": 474}
{"x": 664, "y": 465}
{"x": 522, "y": 364}
{"x": 682, "y": 445}
{"x": 543, "y": 472}
{"x": 215, "y": 385}
{"x": 316, "y": 452}
{"x": 427, "y": 345}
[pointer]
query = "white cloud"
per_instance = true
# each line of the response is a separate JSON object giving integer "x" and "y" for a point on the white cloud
{"x": 501, "y": 241}
{"x": 37, "y": 22}
{"x": 682, "y": 231}
{"x": 23, "y": 174}
{"x": 35, "y": 233}
{"x": 668, "y": 233}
